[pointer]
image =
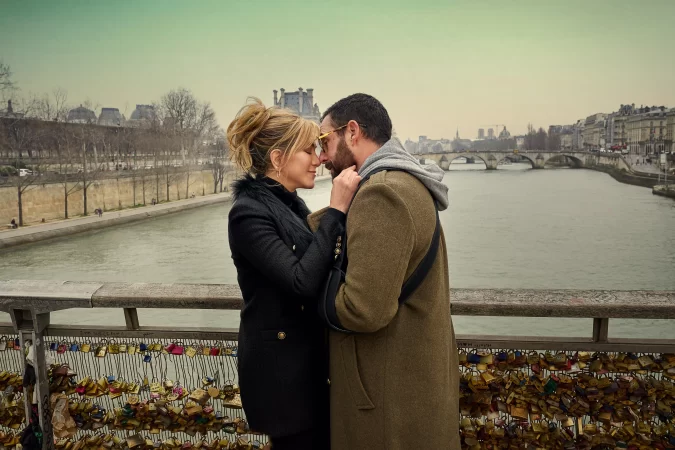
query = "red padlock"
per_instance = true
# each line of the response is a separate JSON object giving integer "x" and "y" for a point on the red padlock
{"x": 177, "y": 350}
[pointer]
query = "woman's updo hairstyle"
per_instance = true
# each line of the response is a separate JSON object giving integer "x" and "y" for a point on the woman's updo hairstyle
{"x": 257, "y": 130}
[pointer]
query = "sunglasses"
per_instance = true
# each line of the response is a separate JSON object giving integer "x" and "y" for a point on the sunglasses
{"x": 322, "y": 138}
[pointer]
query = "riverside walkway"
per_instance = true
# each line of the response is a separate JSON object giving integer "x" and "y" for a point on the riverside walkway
{"x": 35, "y": 233}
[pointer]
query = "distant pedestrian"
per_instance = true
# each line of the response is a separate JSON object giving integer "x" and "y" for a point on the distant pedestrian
{"x": 154, "y": 202}
{"x": 13, "y": 224}
{"x": 100, "y": 212}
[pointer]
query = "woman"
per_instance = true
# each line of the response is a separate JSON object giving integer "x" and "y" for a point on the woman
{"x": 281, "y": 266}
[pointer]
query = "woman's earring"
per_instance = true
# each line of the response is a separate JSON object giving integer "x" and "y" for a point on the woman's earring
{"x": 278, "y": 173}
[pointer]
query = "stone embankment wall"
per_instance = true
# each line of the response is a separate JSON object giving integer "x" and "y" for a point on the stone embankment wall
{"x": 46, "y": 201}
{"x": 625, "y": 176}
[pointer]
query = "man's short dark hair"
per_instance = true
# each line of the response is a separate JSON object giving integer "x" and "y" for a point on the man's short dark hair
{"x": 366, "y": 110}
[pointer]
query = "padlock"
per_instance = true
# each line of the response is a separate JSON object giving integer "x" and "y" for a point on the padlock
{"x": 101, "y": 351}
{"x": 178, "y": 350}
{"x": 485, "y": 358}
{"x": 645, "y": 361}
{"x": 113, "y": 348}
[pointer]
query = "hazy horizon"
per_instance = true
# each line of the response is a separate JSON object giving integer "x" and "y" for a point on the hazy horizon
{"x": 435, "y": 66}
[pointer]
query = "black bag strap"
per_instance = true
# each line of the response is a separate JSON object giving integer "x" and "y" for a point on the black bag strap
{"x": 336, "y": 276}
{"x": 423, "y": 268}
{"x": 420, "y": 273}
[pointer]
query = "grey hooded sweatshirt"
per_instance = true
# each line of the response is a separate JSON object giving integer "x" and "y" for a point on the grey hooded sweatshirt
{"x": 393, "y": 155}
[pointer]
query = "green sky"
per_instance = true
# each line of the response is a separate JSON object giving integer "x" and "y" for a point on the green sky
{"x": 436, "y": 65}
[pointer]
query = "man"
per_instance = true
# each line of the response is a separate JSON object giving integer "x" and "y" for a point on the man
{"x": 394, "y": 381}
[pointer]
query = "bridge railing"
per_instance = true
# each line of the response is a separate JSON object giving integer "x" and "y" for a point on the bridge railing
{"x": 138, "y": 386}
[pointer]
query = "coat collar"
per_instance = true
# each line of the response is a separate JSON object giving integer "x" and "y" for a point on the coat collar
{"x": 271, "y": 193}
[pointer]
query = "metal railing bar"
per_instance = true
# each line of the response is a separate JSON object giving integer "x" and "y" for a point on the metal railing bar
{"x": 131, "y": 318}
{"x": 565, "y": 344}
{"x": 600, "y": 329}
{"x": 149, "y": 332}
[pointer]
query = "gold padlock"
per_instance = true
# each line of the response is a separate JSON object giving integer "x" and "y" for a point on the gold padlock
{"x": 213, "y": 392}
{"x": 645, "y": 361}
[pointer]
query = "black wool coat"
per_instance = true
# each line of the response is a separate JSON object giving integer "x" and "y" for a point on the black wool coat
{"x": 281, "y": 267}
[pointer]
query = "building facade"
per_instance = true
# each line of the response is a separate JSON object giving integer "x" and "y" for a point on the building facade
{"x": 646, "y": 130}
{"x": 81, "y": 115}
{"x": 300, "y": 101}
{"x": 593, "y": 134}
{"x": 615, "y": 125}
{"x": 565, "y": 133}
{"x": 142, "y": 115}
{"x": 481, "y": 133}
{"x": 111, "y": 117}
{"x": 577, "y": 135}
{"x": 670, "y": 130}
{"x": 566, "y": 140}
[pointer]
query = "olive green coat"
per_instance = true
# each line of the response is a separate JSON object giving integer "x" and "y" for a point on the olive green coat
{"x": 394, "y": 384}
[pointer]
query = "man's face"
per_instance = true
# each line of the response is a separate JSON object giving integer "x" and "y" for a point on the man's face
{"x": 335, "y": 153}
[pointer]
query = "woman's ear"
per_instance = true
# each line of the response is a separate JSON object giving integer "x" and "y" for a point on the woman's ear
{"x": 276, "y": 156}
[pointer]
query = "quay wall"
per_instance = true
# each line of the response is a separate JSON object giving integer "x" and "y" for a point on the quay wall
{"x": 47, "y": 201}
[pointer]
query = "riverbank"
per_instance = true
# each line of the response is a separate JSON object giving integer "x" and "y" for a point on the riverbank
{"x": 626, "y": 177}
{"x": 60, "y": 228}
{"x": 36, "y": 233}
{"x": 661, "y": 190}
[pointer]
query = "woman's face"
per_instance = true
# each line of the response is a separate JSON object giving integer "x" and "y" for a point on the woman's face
{"x": 300, "y": 170}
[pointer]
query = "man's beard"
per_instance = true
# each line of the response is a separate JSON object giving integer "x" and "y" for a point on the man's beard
{"x": 344, "y": 158}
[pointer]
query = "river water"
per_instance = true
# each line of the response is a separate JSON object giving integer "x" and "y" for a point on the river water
{"x": 510, "y": 228}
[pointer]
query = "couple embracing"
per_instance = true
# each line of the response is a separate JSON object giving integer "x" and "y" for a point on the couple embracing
{"x": 346, "y": 340}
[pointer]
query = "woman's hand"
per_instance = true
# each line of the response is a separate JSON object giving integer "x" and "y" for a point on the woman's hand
{"x": 344, "y": 187}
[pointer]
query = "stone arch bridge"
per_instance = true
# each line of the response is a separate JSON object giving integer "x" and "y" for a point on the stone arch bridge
{"x": 537, "y": 158}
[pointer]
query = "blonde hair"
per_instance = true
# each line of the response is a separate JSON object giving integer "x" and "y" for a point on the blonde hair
{"x": 257, "y": 130}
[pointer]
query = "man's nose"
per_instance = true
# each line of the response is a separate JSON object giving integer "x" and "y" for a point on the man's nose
{"x": 323, "y": 157}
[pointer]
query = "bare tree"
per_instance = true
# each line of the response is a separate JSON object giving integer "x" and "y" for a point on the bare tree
{"x": 6, "y": 82}
{"x": 22, "y": 139}
{"x": 52, "y": 107}
{"x": 66, "y": 148}
{"x": 530, "y": 137}
{"x": 88, "y": 139}
{"x": 540, "y": 139}
{"x": 219, "y": 161}
{"x": 191, "y": 121}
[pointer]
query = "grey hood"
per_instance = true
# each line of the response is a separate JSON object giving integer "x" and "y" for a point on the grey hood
{"x": 393, "y": 155}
